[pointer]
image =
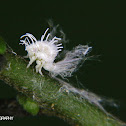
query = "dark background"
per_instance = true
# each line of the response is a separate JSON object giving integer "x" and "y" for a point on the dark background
{"x": 102, "y": 24}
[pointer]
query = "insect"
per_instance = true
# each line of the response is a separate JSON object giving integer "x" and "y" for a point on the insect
{"x": 45, "y": 51}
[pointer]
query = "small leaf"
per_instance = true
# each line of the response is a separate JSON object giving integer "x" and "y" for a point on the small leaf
{"x": 28, "y": 104}
{"x": 31, "y": 107}
{"x": 2, "y": 46}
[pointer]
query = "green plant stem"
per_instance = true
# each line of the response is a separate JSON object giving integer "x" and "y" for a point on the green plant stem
{"x": 47, "y": 93}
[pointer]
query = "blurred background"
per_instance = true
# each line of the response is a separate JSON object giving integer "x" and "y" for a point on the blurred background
{"x": 100, "y": 24}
